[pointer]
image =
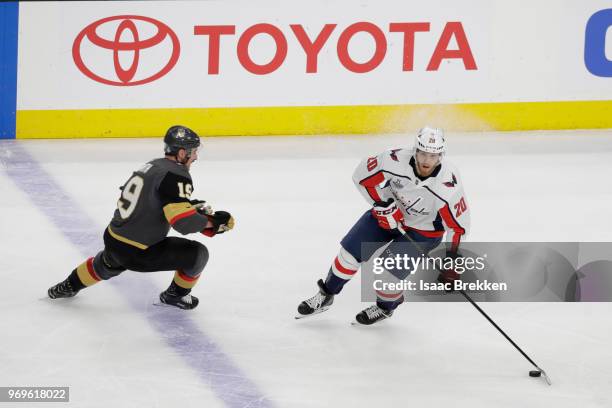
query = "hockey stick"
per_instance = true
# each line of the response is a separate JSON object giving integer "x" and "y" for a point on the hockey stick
{"x": 534, "y": 373}
{"x": 531, "y": 373}
{"x": 540, "y": 371}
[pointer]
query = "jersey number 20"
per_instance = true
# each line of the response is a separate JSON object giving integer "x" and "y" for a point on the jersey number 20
{"x": 129, "y": 196}
{"x": 461, "y": 206}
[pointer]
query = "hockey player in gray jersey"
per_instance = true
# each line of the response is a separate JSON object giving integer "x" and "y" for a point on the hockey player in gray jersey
{"x": 417, "y": 197}
{"x": 155, "y": 198}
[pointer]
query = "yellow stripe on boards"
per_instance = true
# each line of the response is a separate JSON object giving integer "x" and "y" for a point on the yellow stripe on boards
{"x": 309, "y": 120}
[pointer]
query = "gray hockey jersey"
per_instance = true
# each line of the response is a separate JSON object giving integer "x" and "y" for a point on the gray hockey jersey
{"x": 155, "y": 198}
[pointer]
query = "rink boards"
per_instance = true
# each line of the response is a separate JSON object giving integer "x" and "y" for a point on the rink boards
{"x": 131, "y": 69}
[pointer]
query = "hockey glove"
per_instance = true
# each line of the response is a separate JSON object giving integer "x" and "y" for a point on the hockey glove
{"x": 388, "y": 214}
{"x": 449, "y": 276}
{"x": 221, "y": 220}
{"x": 202, "y": 207}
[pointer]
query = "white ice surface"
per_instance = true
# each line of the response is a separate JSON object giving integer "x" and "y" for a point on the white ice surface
{"x": 293, "y": 200}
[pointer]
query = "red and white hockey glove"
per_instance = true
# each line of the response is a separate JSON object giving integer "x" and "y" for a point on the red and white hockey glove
{"x": 388, "y": 214}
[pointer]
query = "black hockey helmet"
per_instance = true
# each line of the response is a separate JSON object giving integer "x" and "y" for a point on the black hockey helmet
{"x": 180, "y": 137}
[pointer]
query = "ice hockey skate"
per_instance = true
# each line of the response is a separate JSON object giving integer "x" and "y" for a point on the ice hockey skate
{"x": 316, "y": 304}
{"x": 186, "y": 302}
{"x": 372, "y": 314}
{"x": 62, "y": 290}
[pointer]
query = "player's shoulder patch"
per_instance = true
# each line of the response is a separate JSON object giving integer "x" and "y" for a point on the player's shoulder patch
{"x": 395, "y": 160}
{"x": 372, "y": 163}
{"x": 398, "y": 155}
{"x": 452, "y": 181}
{"x": 448, "y": 180}
{"x": 393, "y": 154}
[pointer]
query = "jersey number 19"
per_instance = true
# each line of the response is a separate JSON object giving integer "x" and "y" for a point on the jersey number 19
{"x": 129, "y": 196}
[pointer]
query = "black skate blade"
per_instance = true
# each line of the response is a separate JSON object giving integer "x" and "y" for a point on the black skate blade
{"x": 323, "y": 309}
{"x": 357, "y": 324}
{"x": 45, "y": 298}
{"x": 165, "y": 305}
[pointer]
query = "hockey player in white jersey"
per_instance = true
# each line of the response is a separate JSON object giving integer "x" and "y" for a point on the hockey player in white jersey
{"x": 417, "y": 197}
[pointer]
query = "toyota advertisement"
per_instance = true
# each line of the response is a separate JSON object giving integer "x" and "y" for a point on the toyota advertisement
{"x": 136, "y": 46}
{"x": 101, "y": 62}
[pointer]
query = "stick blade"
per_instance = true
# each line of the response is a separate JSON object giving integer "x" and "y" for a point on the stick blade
{"x": 321, "y": 310}
{"x": 546, "y": 378}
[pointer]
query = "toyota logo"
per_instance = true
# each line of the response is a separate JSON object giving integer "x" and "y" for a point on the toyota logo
{"x": 96, "y": 42}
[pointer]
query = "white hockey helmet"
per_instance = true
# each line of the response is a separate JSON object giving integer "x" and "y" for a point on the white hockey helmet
{"x": 430, "y": 140}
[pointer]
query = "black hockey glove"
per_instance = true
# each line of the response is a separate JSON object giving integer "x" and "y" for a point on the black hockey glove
{"x": 221, "y": 220}
{"x": 448, "y": 276}
{"x": 202, "y": 207}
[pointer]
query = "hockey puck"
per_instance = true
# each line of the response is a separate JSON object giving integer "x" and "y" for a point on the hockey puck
{"x": 535, "y": 373}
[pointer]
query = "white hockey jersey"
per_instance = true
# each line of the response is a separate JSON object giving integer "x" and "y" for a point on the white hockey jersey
{"x": 431, "y": 206}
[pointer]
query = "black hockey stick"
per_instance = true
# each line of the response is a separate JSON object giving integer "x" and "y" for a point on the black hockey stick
{"x": 534, "y": 373}
{"x": 537, "y": 373}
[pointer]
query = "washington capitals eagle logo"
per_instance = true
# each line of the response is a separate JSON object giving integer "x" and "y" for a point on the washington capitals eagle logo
{"x": 451, "y": 183}
{"x": 393, "y": 154}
